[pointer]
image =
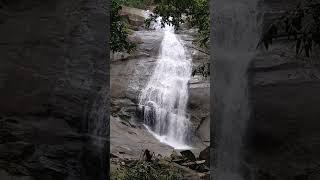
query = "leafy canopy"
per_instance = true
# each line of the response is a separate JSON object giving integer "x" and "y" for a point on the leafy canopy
{"x": 173, "y": 12}
{"x": 194, "y": 12}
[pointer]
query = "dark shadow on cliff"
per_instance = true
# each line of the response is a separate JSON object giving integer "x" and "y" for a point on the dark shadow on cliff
{"x": 53, "y": 69}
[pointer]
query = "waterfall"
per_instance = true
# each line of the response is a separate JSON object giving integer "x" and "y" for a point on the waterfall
{"x": 164, "y": 99}
{"x": 235, "y": 37}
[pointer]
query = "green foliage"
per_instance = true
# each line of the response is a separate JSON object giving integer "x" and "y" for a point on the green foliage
{"x": 199, "y": 17}
{"x": 119, "y": 31}
{"x": 143, "y": 170}
{"x": 175, "y": 12}
{"x": 141, "y": 4}
{"x": 302, "y": 24}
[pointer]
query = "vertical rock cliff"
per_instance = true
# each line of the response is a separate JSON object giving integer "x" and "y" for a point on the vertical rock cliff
{"x": 53, "y": 81}
{"x": 284, "y": 138}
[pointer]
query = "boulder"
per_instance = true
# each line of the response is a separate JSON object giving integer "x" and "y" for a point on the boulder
{"x": 202, "y": 168}
{"x": 175, "y": 156}
{"x": 189, "y": 155}
{"x": 205, "y": 155}
{"x": 135, "y": 17}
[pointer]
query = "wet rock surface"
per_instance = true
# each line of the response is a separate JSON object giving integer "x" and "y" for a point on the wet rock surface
{"x": 199, "y": 87}
{"x": 129, "y": 140}
{"x": 130, "y": 74}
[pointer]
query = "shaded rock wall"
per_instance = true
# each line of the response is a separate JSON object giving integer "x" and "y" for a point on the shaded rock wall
{"x": 284, "y": 129}
{"x": 52, "y": 58}
{"x": 284, "y": 133}
{"x": 53, "y": 71}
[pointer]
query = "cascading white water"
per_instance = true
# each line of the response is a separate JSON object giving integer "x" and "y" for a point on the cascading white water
{"x": 164, "y": 99}
{"x": 235, "y": 37}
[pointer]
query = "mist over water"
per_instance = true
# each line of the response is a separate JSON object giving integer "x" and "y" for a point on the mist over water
{"x": 164, "y": 99}
{"x": 235, "y": 37}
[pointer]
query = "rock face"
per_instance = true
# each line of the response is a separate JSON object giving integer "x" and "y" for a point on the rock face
{"x": 284, "y": 138}
{"x": 199, "y": 87}
{"x": 129, "y": 140}
{"x": 130, "y": 74}
{"x": 53, "y": 75}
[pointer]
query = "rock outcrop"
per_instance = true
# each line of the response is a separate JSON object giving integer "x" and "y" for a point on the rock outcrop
{"x": 53, "y": 79}
{"x": 134, "y": 17}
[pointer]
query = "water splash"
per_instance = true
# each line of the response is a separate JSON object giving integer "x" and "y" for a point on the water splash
{"x": 235, "y": 36}
{"x": 164, "y": 99}
{"x": 168, "y": 141}
{"x": 154, "y": 24}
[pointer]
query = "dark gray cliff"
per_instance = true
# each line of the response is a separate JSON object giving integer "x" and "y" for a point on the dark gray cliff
{"x": 284, "y": 138}
{"x": 53, "y": 81}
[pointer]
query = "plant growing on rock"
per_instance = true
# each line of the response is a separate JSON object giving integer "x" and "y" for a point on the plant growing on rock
{"x": 147, "y": 171}
{"x": 119, "y": 31}
{"x": 302, "y": 24}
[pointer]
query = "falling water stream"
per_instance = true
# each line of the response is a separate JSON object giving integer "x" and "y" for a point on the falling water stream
{"x": 164, "y": 99}
{"x": 235, "y": 37}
